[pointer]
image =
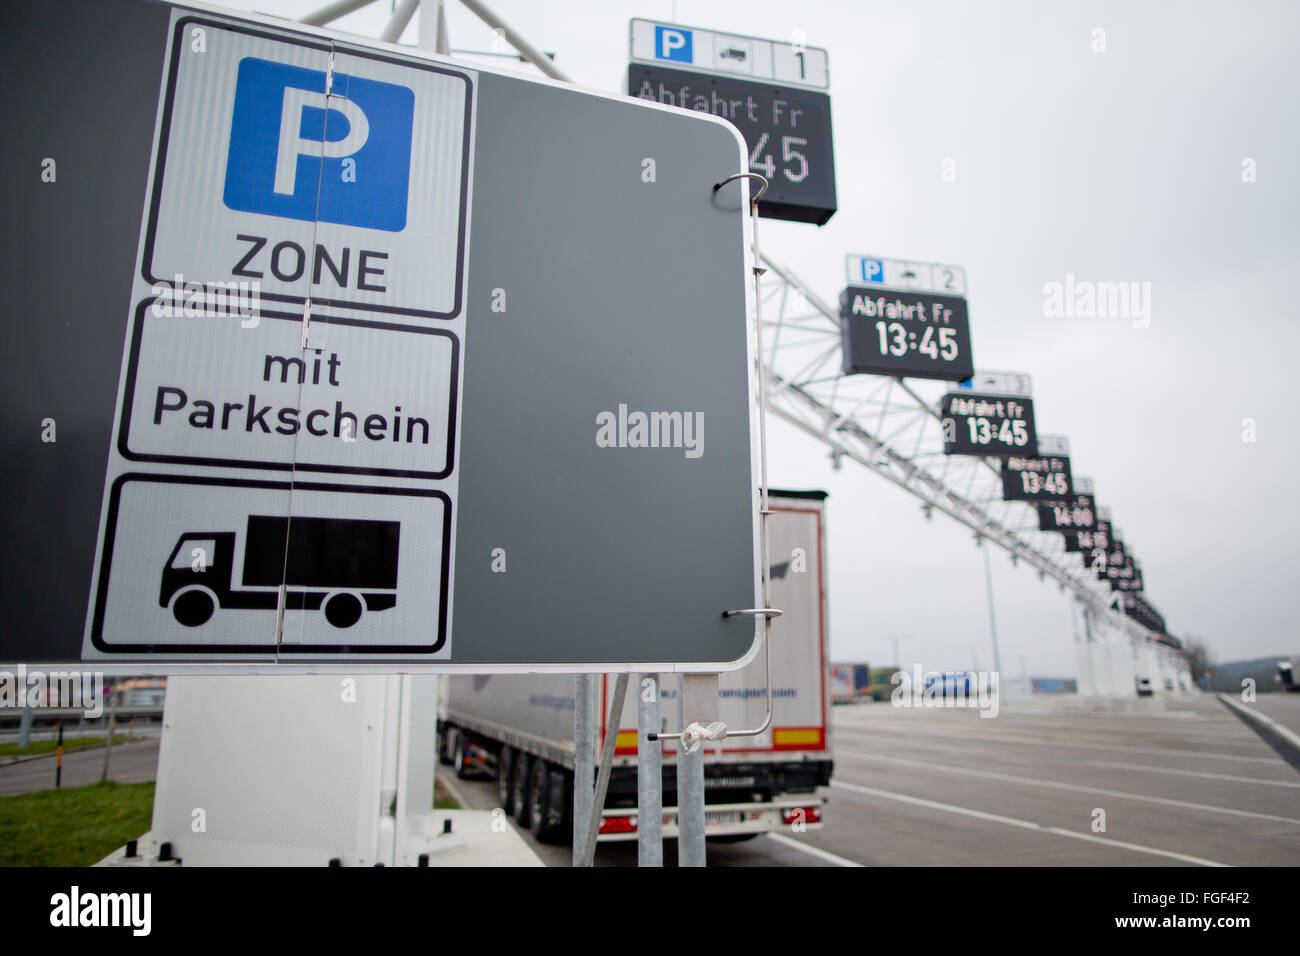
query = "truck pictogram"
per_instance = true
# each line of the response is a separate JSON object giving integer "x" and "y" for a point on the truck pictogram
{"x": 344, "y": 565}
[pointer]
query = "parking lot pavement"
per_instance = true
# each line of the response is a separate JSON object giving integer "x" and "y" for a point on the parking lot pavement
{"x": 1190, "y": 785}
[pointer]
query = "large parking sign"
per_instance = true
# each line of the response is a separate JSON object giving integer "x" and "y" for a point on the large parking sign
{"x": 299, "y": 425}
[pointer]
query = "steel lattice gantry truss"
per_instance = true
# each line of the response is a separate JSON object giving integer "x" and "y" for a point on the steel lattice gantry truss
{"x": 892, "y": 426}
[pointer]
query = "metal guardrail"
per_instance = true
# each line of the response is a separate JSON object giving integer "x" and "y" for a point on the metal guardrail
{"x": 45, "y": 716}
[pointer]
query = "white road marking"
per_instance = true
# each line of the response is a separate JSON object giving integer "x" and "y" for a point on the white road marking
{"x": 1023, "y": 824}
{"x": 998, "y": 738}
{"x": 1079, "y": 788}
{"x": 1261, "y": 718}
{"x": 444, "y": 780}
{"x": 1196, "y": 773}
{"x": 831, "y": 858}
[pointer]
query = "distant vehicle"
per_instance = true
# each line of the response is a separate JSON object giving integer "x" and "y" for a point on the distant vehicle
{"x": 519, "y": 728}
{"x": 1054, "y": 685}
{"x": 1287, "y": 674}
{"x": 881, "y": 685}
{"x": 952, "y": 684}
{"x": 1144, "y": 688}
{"x": 345, "y": 565}
{"x": 143, "y": 692}
{"x": 850, "y": 683}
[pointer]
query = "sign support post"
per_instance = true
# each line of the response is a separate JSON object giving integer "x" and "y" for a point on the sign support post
{"x": 649, "y": 776}
{"x": 993, "y": 623}
{"x": 584, "y": 762}
{"x": 25, "y": 721}
{"x": 602, "y": 775}
{"x": 108, "y": 737}
{"x": 699, "y": 696}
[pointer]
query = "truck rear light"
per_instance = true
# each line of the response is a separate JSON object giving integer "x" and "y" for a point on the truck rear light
{"x": 624, "y": 824}
{"x": 801, "y": 815}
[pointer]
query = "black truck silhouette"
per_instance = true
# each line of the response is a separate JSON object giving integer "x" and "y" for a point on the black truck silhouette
{"x": 340, "y": 564}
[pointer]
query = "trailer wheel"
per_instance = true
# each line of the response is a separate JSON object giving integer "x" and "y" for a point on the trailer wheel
{"x": 343, "y": 610}
{"x": 505, "y": 770}
{"x": 455, "y": 743}
{"x": 193, "y": 607}
{"x": 519, "y": 779}
{"x": 463, "y": 770}
{"x": 547, "y": 792}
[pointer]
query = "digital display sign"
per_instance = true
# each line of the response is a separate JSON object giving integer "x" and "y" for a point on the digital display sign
{"x": 1078, "y": 514}
{"x": 1037, "y": 478}
{"x": 1142, "y": 612}
{"x": 906, "y": 333}
{"x": 988, "y": 425}
{"x": 1127, "y": 577}
{"x": 787, "y": 133}
{"x": 1084, "y": 541}
{"x": 1102, "y": 558}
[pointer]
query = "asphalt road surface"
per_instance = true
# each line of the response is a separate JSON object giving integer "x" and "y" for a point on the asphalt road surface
{"x": 1191, "y": 786}
{"x": 134, "y": 762}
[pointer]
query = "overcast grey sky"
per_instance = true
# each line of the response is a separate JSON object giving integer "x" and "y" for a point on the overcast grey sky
{"x": 1120, "y": 165}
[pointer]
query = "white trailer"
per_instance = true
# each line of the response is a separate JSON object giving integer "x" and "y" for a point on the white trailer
{"x": 519, "y": 728}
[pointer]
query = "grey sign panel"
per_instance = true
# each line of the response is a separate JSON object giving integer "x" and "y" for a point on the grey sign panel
{"x": 69, "y": 254}
{"x": 637, "y": 300}
{"x": 313, "y": 422}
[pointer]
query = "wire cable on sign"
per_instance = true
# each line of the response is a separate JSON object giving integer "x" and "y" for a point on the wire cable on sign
{"x": 767, "y": 612}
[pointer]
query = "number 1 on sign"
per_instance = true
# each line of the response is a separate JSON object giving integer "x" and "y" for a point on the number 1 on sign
{"x": 900, "y": 338}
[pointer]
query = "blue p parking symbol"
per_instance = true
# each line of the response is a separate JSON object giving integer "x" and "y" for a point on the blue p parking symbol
{"x": 289, "y": 143}
{"x": 873, "y": 270}
{"x": 671, "y": 44}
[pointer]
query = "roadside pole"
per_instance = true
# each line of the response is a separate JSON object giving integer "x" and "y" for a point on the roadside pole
{"x": 699, "y": 697}
{"x": 649, "y": 776}
{"x": 108, "y": 738}
{"x": 993, "y": 624}
{"x": 584, "y": 762}
{"x": 25, "y": 721}
{"x": 690, "y": 807}
{"x": 605, "y": 769}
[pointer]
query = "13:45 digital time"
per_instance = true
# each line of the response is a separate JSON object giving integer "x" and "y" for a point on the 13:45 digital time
{"x": 934, "y": 342}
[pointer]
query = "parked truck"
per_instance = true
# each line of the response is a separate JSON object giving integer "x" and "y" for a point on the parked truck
{"x": 1288, "y": 674}
{"x": 520, "y": 728}
{"x": 882, "y": 683}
